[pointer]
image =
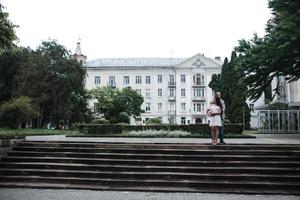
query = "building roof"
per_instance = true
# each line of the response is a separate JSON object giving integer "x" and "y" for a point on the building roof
{"x": 134, "y": 62}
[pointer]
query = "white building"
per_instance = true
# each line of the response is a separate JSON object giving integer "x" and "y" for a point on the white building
{"x": 289, "y": 94}
{"x": 175, "y": 90}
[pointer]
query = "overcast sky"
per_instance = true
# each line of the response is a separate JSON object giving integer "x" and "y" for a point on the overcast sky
{"x": 139, "y": 28}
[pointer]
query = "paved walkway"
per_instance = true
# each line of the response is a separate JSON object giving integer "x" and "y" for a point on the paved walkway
{"x": 38, "y": 194}
{"x": 261, "y": 139}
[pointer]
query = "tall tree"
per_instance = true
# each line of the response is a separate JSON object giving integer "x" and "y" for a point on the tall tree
{"x": 275, "y": 54}
{"x": 54, "y": 82}
{"x": 7, "y": 32}
{"x": 234, "y": 91}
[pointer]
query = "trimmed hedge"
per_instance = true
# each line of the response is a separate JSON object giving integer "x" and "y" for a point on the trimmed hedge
{"x": 102, "y": 129}
{"x": 105, "y": 129}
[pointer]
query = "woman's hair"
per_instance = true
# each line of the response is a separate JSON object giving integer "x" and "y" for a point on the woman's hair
{"x": 218, "y": 102}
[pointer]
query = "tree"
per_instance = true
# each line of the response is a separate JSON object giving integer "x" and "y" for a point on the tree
{"x": 234, "y": 91}
{"x": 7, "y": 32}
{"x": 215, "y": 83}
{"x": 55, "y": 83}
{"x": 275, "y": 54}
{"x": 17, "y": 111}
{"x": 113, "y": 104}
{"x": 10, "y": 62}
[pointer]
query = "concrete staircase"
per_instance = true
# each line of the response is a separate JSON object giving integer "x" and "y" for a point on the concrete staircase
{"x": 238, "y": 168}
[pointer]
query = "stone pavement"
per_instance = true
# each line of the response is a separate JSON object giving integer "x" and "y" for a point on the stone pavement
{"x": 50, "y": 194}
{"x": 261, "y": 139}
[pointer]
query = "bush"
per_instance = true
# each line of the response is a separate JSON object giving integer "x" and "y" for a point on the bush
{"x": 99, "y": 121}
{"x": 233, "y": 128}
{"x": 102, "y": 129}
{"x": 123, "y": 124}
{"x": 17, "y": 111}
{"x": 202, "y": 129}
{"x": 161, "y": 133}
{"x": 153, "y": 121}
{"x": 121, "y": 118}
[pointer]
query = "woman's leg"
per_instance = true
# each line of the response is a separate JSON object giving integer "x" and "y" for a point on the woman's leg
{"x": 212, "y": 133}
{"x": 217, "y": 134}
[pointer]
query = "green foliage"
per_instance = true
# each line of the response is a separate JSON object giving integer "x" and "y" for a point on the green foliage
{"x": 234, "y": 91}
{"x": 154, "y": 133}
{"x": 215, "y": 83}
{"x": 53, "y": 81}
{"x": 278, "y": 106}
{"x": 117, "y": 105}
{"x": 16, "y": 111}
{"x": 118, "y": 128}
{"x": 99, "y": 121}
{"x": 7, "y": 32}
{"x": 275, "y": 54}
{"x": 103, "y": 129}
{"x": 153, "y": 121}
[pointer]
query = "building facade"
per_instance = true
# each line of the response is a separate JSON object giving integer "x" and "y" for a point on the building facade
{"x": 278, "y": 120}
{"x": 175, "y": 90}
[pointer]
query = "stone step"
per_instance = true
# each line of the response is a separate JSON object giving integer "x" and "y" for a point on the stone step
{"x": 148, "y": 168}
{"x": 150, "y": 189}
{"x": 160, "y": 151}
{"x": 117, "y": 182}
{"x": 150, "y": 175}
{"x": 112, "y": 161}
{"x": 153, "y": 156}
{"x": 159, "y": 145}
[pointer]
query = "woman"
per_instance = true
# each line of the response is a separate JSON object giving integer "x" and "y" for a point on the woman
{"x": 214, "y": 112}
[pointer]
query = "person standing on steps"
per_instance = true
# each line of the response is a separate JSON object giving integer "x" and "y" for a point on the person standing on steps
{"x": 220, "y": 102}
{"x": 214, "y": 113}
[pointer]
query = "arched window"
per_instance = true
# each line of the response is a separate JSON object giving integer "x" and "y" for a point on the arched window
{"x": 198, "y": 79}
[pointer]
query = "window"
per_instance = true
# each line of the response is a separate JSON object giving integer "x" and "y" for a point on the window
{"x": 148, "y": 108}
{"x": 172, "y": 80}
{"x": 148, "y": 79}
{"x": 182, "y": 106}
{"x": 159, "y": 106}
{"x": 198, "y": 79}
{"x": 138, "y": 80}
{"x": 198, "y": 107}
{"x": 182, "y": 120}
{"x": 182, "y": 92}
{"x": 182, "y": 78}
{"x": 159, "y": 78}
{"x": 159, "y": 92}
{"x": 172, "y": 92}
{"x": 148, "y": 93}
{"x": 126, "y": 80}
{"x": 139, "y": 91}
{"x": 97, "y": 80}
{"x": 251, "y": 106}
{"x": 111, "y": 81}
{"x": 172, "y": 106}
{"x": 198, "y": 92}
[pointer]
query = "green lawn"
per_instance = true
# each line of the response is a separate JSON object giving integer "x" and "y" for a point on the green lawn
{"x": 26, "y": 132}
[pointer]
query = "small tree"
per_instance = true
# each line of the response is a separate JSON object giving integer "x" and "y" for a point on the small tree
{"x": 17, "y": 111}
{"x": 117, "y": 105}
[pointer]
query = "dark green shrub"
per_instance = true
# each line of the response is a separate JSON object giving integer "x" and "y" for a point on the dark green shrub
{"x": 103, "y": 129}
{"x": 121, "y": 118}
{"x": 153, "y": 121}
{"x": 233, "y": 128}
{"x": 99, "y": 121}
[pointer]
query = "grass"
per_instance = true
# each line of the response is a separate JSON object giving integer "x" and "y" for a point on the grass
{"x": 10, "y": 133}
